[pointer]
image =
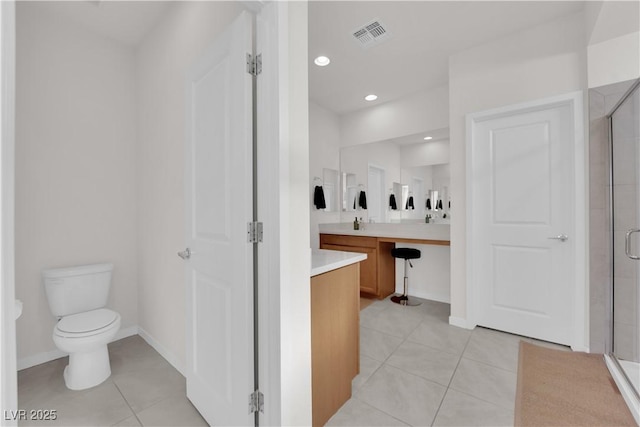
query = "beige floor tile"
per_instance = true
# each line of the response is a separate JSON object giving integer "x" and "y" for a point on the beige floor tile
{"x": 102, "y": 405}
{"x": 357, "y": 413}
{"x": 39, "y": 383}
{"x": 440, "y": 336}
{"x": 377, "y": 345}
{"x": 149, "y": 385}
{"x": 485, "y": 382}
{"x": 132, "y": 354}
{"x": 129, "y": 422}
{"x": 425, "y": 362}
{"x": 398, "y": 321}
{"x": 459, "y": 409}
{"x": 367, "y": 367}
{"x": 409, "y": 398}
{"x": 494, "y": 348}
{"x": 174, "y": 410}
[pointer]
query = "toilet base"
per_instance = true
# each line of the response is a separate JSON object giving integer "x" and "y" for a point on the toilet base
{"x": 87, "y": 369}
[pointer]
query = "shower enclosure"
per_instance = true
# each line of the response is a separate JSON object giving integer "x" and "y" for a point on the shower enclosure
{"x": 623, "y": 346}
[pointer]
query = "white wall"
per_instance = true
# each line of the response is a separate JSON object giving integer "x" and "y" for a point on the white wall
{"x": 428, "y": 153}
{"x": 547, "y": 60}
{"x": 422, "y": 111}
{"x": 613, "y": 32}
{"x": 324, "y": 152}
{"x": 614, "y": 60}
{"x": 75, "y": 166}
{"x": 162, "y": 60}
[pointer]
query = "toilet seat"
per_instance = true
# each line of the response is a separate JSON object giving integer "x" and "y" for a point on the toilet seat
{"x": 86, "y": 324}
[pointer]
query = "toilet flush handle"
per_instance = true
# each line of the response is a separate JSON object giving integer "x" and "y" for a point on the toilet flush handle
{"x": 186, "y": 254}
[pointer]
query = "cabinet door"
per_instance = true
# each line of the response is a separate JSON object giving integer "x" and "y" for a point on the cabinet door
{"x": 368, "y": 267}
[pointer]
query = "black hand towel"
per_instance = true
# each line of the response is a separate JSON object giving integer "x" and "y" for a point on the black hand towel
{"x": 318, "y": 198}
{"x": 409, "y": 204}
{"x": 362, "y": 200}
{"x": 439, "y": 204}
{"x": 428, "y": 205}
{"x": 392, "y": 202}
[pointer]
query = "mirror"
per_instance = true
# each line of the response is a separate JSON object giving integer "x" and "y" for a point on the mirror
{"x": 395, "y": 197}
{"x": 331, "y": 187}
{"x": 392, "y": 170}
{"x": 349, "y": 190}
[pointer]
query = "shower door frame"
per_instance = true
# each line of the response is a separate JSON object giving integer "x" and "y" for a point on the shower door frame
{"x": 629, "y": 392}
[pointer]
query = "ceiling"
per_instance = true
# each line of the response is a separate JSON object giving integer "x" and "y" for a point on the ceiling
{"x": 125, "y": 21}
{"x": 416, "y": 55}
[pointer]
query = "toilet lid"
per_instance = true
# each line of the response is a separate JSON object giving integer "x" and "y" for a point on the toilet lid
{"x": 87, "y": 321}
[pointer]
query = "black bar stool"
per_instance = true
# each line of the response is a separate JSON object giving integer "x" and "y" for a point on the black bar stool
{"x": 407, "y": 254}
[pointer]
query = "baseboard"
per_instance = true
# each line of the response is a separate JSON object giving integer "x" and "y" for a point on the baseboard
{"x": 431, "y": 296}
{"x": 460, "y": 322}
{"x": 47, "y": 356}
{"x": 162, "y": 350}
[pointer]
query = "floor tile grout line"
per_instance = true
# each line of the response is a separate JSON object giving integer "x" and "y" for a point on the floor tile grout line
{"x": 481, "y": 399}
{"x": 127, "y": 402}
{"x": 384, "y": 363}
{"x": 435, "y": 416}
{"x": 380, "y": 410}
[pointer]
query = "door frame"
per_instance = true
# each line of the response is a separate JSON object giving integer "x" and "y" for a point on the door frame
{"x": 8, "y": 364}
{"x": 579, "y": 205}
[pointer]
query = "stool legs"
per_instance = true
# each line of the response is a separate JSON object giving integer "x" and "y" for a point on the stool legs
{"x": 404, "y": 298}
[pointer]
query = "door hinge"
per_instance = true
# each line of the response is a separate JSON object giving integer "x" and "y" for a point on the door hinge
{"x": 256, "y": 402}
{"x": 254, "y": 64}
{"x": 254, "y": 232}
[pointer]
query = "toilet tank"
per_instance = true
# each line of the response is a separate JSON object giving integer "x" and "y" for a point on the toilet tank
{"x": 73, "y": 290}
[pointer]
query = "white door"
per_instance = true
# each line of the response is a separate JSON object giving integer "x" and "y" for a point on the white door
{"x": 219, "y": 203}
{"x": 521, "y": 213}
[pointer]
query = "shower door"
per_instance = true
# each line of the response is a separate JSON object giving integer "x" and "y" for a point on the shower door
{"x": 625, "y": 180}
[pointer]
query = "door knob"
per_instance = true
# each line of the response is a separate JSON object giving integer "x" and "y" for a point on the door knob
{"x": 186, "y": 254}
{"x": 561, "y": 237}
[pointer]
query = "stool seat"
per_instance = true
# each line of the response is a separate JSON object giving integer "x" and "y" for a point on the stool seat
{"x": 405, "y": 253}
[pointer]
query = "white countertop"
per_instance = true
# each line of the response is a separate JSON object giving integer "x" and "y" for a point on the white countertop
{"x": 421, "y": 231}
{"x": 323, "y": 260}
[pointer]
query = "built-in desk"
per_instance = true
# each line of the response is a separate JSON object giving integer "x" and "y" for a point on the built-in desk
{"x": 377, "y": 272}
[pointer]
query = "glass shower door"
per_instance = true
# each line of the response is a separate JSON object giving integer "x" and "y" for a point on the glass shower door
{"x": 625, "y": 144}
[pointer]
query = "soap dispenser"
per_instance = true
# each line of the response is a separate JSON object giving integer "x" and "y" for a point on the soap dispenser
{"x": 356, "y": 225}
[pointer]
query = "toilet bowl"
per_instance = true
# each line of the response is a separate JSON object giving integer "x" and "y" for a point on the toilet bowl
{"x": 77, "y": 296}
{"x": 85, "y": 337}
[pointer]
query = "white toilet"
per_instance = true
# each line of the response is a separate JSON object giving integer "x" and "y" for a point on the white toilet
{"x": 77, "y": 296}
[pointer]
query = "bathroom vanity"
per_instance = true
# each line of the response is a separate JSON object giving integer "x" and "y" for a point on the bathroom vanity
{"x": 378, "y": 272}
{"x": 335, "y": 329}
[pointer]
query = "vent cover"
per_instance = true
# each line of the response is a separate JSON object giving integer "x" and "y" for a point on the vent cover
{"x": 371, "y": 34}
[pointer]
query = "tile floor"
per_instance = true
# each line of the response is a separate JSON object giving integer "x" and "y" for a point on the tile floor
{"x": 143, "y": 390}
{"x": 416, "y": 369}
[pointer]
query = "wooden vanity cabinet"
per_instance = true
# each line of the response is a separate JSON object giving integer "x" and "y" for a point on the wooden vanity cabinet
{"x": 377, "y": 272}
{"x": 335, "y": 340}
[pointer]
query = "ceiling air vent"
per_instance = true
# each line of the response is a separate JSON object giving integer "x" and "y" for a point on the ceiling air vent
{"x": 371, "y": 34}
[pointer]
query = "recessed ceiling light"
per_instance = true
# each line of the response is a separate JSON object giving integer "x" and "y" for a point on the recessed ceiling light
{"x": 426, "y": 138}
{"x": 322, "y": 61}
{"x": 371, "y": 97}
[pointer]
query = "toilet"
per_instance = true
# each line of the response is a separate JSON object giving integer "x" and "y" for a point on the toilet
{"x": 77, "y": 297}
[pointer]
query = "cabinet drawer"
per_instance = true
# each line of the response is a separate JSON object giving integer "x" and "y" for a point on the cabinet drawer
{"x": 344, "y": 240}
